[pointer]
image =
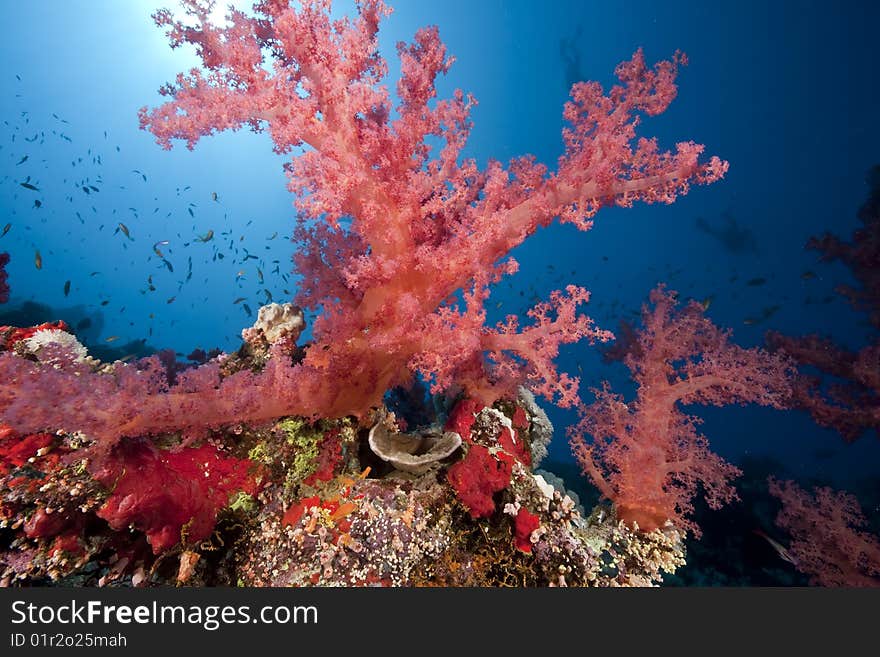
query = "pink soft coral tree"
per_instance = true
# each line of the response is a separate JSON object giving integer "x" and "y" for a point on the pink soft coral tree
{"x": 647, "y": 455}
{"x": 828, "y": 542}
{"x": 426, "y": 223}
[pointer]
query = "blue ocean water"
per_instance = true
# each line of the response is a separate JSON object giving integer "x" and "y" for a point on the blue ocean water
{"x": 786, "y": 92}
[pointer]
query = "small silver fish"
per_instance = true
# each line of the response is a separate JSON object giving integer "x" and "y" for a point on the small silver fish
{"x": 781, "y": 550}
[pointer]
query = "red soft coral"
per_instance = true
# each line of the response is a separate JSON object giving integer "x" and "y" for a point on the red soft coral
{"x": 647, "y": 455}
{"x": 524, "y": 524}
{"x": 461, "y": 417}
{"x": 484, "y": 470}
{"x": 172, "y": 496}
{"x": 478, "y": 476}
{"x": 15, "y": 451}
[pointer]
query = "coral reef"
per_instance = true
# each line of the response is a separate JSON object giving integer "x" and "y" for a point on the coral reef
{"x": 279, "y": 464}
{"x": 408, "y": 529}
{"x": 297, "y": 503}
{"x": 400, "y": 445}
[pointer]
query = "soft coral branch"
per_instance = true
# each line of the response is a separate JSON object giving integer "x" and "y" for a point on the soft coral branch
{"x": 528, "y": 355}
